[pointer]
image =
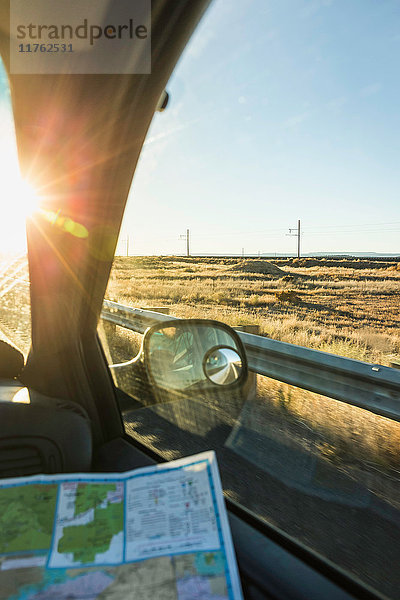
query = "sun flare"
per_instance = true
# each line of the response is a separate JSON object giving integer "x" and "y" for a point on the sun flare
{"x": 19, "y": 200}
{"x": 26, "y": 198}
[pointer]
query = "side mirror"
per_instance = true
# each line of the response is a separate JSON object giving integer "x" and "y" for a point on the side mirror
{"x": 186, "y": 354}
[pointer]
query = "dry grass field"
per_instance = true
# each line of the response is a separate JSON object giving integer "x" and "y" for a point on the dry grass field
{"x": 15, "y": 318}
{"x": 346, "y": 307}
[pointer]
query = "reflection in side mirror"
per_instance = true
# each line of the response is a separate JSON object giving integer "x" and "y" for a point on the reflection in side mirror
{"x": 223, "y": 366}
{"x": 193, "y": 353}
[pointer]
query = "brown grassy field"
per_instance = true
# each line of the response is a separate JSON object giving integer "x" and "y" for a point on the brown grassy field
{"x": 346, "y": 307}
{"x": 15, "y": 321}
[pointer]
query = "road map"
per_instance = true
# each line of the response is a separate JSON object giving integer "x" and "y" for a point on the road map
{"x": 157, "y": 533}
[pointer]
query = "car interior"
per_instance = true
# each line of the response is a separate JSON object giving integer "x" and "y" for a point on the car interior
{"x": 60, "y": 410}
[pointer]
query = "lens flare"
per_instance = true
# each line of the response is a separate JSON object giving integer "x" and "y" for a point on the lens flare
{"x": 27, "y": 200}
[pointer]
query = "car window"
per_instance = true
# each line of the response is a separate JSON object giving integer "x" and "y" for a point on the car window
{"x": 280, "y": 138}
{"x": 18, "y": 201}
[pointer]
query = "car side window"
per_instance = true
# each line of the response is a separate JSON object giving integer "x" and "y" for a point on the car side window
{"x": 266, "y": 198}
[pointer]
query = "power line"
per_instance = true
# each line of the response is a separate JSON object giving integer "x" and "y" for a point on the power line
{"x": 352, "y": 231}
{"x": 346, "y": 226}
{"x": 276, "y": 233}
{"x": 281, "y": 229}
{"x": 308, "y": 230}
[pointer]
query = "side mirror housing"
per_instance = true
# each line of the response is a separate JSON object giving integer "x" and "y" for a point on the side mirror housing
{"x": 194, "y": 354}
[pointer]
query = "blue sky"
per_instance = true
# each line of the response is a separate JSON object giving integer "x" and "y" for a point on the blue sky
{"x": 280, "y": 110}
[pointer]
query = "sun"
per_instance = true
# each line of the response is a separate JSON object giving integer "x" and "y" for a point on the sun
{"x": 26, "y": 197}
{"x": 19, "y": 200}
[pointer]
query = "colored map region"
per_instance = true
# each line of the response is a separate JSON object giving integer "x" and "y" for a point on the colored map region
{"x": 198, "y": 576}
{"x": 26, "y": 517}
{"x": 89, "y": 525}
{"x": 201, "y": 575}
{"x": 90, "y": 495}
{"x": 86, "y": 541}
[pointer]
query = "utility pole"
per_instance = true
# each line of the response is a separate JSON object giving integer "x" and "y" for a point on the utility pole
{"x": 298, "y": 235}
{"x": 121, "y": 243}
{"x": 298, "y": 238}
{"x": 187, "y": 238}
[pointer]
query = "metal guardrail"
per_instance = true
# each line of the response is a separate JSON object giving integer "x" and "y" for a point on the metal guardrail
{"x": 372, "y": 387}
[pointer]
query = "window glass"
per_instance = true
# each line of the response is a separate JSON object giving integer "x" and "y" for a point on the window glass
{"x": 18, "y": 200}
{"x": 323, "y": 471}
{"x": 280, "y": 112}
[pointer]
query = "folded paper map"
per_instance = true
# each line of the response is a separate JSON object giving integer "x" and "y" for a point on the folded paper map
{"x": 157, "y": 533}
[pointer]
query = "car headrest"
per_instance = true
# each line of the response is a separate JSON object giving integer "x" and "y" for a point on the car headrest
{"x": 11, "y": 361}
{"x": 39, "y": 434}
